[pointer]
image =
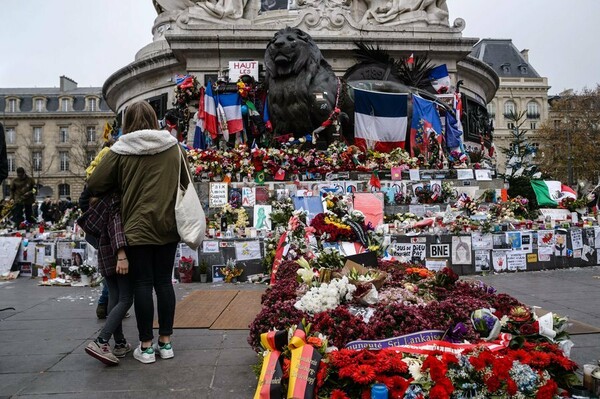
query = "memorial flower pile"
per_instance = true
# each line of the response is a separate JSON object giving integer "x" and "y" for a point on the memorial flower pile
{"x": 493, "y": 345}
{"x": 292, "y": 160}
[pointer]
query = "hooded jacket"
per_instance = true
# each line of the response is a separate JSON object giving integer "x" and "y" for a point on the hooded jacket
{"x": 144, "y": 166}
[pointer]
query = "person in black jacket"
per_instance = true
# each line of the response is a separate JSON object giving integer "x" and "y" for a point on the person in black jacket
{"x": 3, "y": 156}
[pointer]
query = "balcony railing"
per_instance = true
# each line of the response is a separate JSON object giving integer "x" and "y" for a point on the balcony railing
{"x": 533, "y": 115}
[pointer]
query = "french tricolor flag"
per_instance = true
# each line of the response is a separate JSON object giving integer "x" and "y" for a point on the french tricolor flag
{"x": 232, "y": 105}
{"x": 440, "y": 79}
{"x": 207, "y": 113}
{"x": 381, "y": 120}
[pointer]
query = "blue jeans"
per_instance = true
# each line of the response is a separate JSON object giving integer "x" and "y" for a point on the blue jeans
{"x": 119, "y": 302}
{"x": 103, "y": 300}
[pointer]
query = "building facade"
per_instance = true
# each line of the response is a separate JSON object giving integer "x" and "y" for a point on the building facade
{"x": 53, "y": 133}
{"x": 521, "y": 89}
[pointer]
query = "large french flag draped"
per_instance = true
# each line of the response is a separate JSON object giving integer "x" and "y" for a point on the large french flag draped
{"x": 425, "y": 121}
{"x": 440, "y": 79}
{"x": 232, "y": 105}
{"x": 381, "y": 120}
{"x": 208, "y": 112}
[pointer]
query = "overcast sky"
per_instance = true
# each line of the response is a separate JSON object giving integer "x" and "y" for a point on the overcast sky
{"x": 89, "y": 40}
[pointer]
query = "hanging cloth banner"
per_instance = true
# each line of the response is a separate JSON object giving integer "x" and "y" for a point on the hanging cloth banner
{"x": 303, "y": 367}
{"x": 271, "y": 374}
{"x": 278, "y": 256}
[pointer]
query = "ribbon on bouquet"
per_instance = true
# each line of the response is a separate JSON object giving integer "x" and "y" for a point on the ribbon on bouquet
{"x": 303, "y": 367}
{"x": 271, "y": 374}
{"x": 278, "y": 256}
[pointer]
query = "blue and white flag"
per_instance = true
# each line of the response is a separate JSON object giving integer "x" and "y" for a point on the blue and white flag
{"x": 381, "y": 120}
{"x": 440, "y": 79}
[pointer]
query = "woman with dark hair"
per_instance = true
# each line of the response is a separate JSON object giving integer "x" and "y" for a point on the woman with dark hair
{"x": 144, "y": 167}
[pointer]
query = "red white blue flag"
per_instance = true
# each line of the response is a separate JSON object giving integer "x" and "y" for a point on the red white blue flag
{"x": 208, "y": 112}
{"x": 232, "y": 105}
{"x": 381, "y": 120}
{"x": 440, "y": 79}
{"x": 425, "y": 122}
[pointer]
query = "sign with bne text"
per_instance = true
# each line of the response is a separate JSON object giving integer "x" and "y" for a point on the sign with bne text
{"x": 439, "y": 250}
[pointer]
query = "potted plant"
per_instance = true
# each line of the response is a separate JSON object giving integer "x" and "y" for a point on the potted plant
{"x": 186, "y": 269}
{"x": 202, "y": 268}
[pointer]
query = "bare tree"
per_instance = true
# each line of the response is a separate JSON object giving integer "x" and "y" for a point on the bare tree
{"x": 85, "y": 144}
{"x": 33, "y": 167}
{"x": 568, "y": 140}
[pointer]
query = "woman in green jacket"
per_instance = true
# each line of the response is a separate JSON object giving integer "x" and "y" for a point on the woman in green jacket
{"x": 144, "y": 166}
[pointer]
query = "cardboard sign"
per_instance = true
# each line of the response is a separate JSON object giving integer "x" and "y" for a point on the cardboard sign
{"x": 217, "y": 195}
{"x": 439, "y": 250}
{"x": 239, "y": 68}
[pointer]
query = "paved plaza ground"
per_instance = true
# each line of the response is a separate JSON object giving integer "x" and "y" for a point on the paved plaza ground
{"x": 42, "y": 342}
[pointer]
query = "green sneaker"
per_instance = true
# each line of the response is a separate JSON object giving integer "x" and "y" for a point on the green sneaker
{"x": 165, "y": 351}
{"x": 146, "y": 356}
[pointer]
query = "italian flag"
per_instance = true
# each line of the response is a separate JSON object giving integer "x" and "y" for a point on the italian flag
{"x": 551, "y": 192}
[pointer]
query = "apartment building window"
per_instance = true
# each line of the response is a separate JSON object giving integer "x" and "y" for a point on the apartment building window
{"x": 36, "y": 156}
{"x": 533, "y": 110}
{"x": 91, "y": 134}
{"x": 64, "y": 160}
{"x": 63, "y": 135}
{"x": 12, "y": 105}
{"x": 39, "y": 105}
{"x": 37, "y": 135}
{"x": 557, "y": 123}
{"x": 93, "y": 104}
{"x": 90, "y": 156}
{"x": 509, "y": 108}
{"x": 64, "y": 190}
{"x": 491, "y": 109}
{"x": 12, "y": 161}
{"x": 510, "y": 126}
{"x": 11, "y": 135}
{"x": 533, "y": 125}
{"x": 64, "y": 104}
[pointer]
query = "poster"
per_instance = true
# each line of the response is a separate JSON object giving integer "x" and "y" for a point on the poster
{"x": 461, "y": 250}
{"x": 77, "y": 257}
{"x": 560, "y": 243}
{"x": 464, "y": 174}
{"x": 499, "y": 241}
{"x": 499, "y": 259}
{"x": 435, "y": 265}
{"x": 597, "y": 237}
{"x": 418, "y": 251}
{"x": 577, "y": 238}
{"x": 262, "y": 218}
{"x": 482, "y": 260}
{"x": 482, "y": 241}
{"x": 545, "y": 238}
{"x": 532, "y": 258}
{"x": 312, "y": 205}
{"x": 371, "y": 205}
{"x": 217, "y": 194}
{"x": 209, "y": 247}
{"x": 248, "y": 196}
{"x": 483, "y": 174}
{"x": 414, "y": 175}
{"x": 516, "y": 260}
{"x": 527, "y": 242}
{"x": 400, "y": 250}
{"x": 217, "y": 275}
{"x": 246, "y": 250}
{"x": 513, "y": 238}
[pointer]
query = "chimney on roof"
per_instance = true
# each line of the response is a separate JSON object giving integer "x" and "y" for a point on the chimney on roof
{"x": 525, "y": 54}
{"x": 67, "y": 84}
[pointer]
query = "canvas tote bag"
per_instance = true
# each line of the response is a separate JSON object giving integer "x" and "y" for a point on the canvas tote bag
{"x": 189, "y": 215}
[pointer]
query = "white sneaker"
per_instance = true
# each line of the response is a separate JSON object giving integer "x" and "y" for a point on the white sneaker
{"x": 166, "y": 352}
{"x": 146, "y": 356}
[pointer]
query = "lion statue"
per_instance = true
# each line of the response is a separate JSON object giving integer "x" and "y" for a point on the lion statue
{"x": 303, "y": 91}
